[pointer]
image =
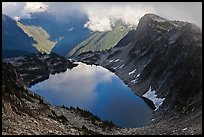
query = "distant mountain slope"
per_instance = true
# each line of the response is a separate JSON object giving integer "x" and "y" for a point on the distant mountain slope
{"x": 13, "y": 38}
{"x": 101, "y": 40}
{"x": 66, "y": 31}
{"x": 40, "y": 36}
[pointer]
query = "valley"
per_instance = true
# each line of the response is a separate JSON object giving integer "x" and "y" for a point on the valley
{"x": 101, "y": 41}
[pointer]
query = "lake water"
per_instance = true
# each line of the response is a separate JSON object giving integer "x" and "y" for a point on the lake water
{"x": 97, "y": 90}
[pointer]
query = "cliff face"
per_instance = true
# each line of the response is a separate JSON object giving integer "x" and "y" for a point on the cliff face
{"x": 161, "y": 57}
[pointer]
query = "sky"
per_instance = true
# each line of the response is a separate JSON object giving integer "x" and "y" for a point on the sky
{"x": 101, "y": 15}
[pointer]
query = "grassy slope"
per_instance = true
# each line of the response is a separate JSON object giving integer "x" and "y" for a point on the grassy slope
{"x": 40, "y": 36}
{"x": 100, "y": 40}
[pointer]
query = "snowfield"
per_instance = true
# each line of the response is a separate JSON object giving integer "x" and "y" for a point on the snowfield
{"x": 150, "y": 94}
{"x": 134, "y": 81}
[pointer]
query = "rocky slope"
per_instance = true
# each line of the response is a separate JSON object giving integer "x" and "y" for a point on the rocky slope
{"x": 161, "y": 57}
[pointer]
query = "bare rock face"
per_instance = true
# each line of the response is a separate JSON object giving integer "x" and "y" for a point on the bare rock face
{"x": 165, "y": 56}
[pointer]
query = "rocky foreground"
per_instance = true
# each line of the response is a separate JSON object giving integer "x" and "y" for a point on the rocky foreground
{"x": 24, "y": 113}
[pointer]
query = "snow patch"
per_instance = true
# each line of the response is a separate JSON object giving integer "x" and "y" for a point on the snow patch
{"x": 32, "y": 68}
{"x": 159, "y": 20}
{"x": 150, "y": 94}
{"x": 22, "y": 75}
{"x": 116, "y": 60}
{"x": 162, "y": 28}
{"x": 138, "y": 75}
{"x": 121, "y": 66}
{"x": 43, "y": 58}
{"x": 130, "y": 73}
{"x": 111, "y": 61}
{"x": 185, "y": 129}
{"x": 134, "y": 81}
{"x": 115, "y": 67}
{"x": 173, "y": 24}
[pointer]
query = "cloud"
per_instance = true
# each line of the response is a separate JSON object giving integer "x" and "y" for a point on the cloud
{"x": 31, "y": 7}
{"x": 19, "y": 10}
{"x": 13, "y": 9}
{"x": 102, "y": 15}
{"x": 185, "y": 11}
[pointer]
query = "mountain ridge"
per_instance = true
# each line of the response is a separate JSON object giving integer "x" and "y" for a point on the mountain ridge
{"x": 13, "y": 37}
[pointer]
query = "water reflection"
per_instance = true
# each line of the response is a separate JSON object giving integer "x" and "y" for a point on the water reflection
{"x": 98, "y": 90}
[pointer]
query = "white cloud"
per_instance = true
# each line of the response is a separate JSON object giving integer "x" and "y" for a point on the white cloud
{"x": 19, "y": 10}
{"x": 31, "y": 7}
{"x": 102, "y": 15}
{"x": 98, "y": 23}
{"x": 13, "y": 9}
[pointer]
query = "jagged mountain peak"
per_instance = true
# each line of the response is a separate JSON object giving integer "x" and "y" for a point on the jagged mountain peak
{"x": 154, "y": 17}
{"x": 150, "y": 23}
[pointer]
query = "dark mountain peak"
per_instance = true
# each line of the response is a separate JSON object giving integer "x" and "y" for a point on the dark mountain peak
{"x": 153, "y": 17}
{"x": 6, "y": 18}
{"x": 151, "y": 23}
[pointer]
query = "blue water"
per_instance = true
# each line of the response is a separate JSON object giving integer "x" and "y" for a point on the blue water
{"x": 97, "y": 90}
